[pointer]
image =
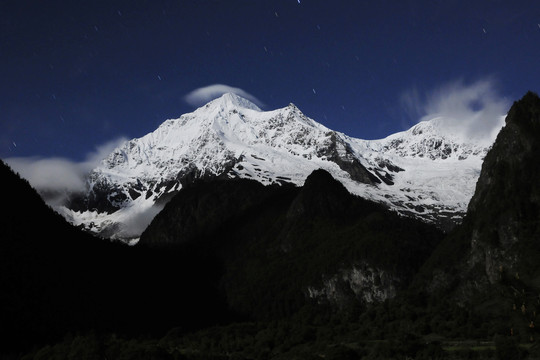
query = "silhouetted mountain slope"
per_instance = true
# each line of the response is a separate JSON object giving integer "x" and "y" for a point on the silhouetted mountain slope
{"x": 202, "y": 210}
{"x": 491, "y": 262}
{"x": 284, "y": 247}
{"x": 56, "y": 279}
{"x": 30, "y": 263}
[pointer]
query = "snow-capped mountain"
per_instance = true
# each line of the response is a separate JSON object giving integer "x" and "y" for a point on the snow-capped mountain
{"x": 428, "y": 171}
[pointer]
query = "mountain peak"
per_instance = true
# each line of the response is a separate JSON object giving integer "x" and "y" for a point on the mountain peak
{"x": 231, "y": 137}
{"x": 233, "y": 100}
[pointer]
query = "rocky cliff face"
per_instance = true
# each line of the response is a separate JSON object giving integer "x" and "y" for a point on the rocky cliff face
{"x": 505, "y": 209}
{"x": 496, "y": 250}
{"x": 362, "y": 283}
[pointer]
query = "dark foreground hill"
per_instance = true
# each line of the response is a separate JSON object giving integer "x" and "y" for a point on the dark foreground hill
{"x": 55, "y": 279}
{"x": 284, "y": 247}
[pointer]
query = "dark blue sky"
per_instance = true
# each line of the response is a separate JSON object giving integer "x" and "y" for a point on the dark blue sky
{"x": 76, "y": 74}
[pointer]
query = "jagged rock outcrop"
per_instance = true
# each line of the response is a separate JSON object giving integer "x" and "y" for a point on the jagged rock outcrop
{"x": 321, "y": 196}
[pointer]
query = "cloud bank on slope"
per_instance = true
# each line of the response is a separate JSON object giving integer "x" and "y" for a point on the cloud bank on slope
{"x": 474, "y": 111}
{"x": 55, "y": 177}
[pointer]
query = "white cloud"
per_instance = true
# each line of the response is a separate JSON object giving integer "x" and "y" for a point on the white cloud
{"x": 47, "y": 174}
{"x": 137, "y": 221}
{"x": 205, "y": 94}
{"x": 93, "y": 158}
{"x": 55, "y": 177}
{"x": 474, "y": 110}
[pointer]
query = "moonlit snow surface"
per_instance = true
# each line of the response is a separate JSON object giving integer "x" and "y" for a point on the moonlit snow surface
{"x": 433, "y": 170}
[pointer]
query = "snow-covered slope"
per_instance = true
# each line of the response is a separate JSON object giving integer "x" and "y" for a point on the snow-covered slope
{"x": 427, "y": 171}
{"x": 434, "y": 168}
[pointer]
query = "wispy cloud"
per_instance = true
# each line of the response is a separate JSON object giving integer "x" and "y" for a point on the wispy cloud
{"x": 55, "y": 177}
{"x": 205, "y": 94}
{"x": 475, "y": 110}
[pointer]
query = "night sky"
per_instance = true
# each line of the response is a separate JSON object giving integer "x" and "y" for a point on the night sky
{"x": 78, "y": 74}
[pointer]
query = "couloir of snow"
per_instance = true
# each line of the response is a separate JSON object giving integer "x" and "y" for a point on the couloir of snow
{"x": 431, "y": 169}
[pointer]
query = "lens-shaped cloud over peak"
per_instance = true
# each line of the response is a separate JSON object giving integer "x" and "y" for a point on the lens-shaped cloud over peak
{"x": 202, "y": 95}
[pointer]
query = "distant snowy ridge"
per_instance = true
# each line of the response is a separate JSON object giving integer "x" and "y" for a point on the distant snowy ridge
{"x": 426, "y": 171}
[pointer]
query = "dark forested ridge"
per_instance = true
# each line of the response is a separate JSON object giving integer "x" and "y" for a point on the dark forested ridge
{"x": 277, "y": 242}
{"x": 233, "y": 269}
